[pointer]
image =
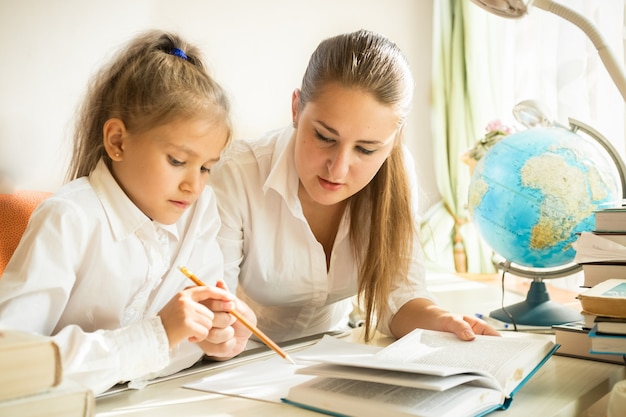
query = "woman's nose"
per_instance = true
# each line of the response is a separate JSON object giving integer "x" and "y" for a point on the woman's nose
{"x": 339, "y": 164}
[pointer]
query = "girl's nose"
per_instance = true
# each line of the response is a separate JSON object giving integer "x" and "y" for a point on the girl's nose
{"x": 193, "y": 182}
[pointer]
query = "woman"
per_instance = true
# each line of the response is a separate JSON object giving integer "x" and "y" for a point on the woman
{"x": 323, "y": 210}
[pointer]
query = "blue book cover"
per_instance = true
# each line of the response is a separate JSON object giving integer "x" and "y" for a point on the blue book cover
{"x": 614, "y": 344}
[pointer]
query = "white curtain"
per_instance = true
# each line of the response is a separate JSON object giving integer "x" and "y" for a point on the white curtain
{"x": 545, "y": 58}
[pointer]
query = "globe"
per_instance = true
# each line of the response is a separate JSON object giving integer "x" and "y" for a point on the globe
{"x": 534, "y": 190}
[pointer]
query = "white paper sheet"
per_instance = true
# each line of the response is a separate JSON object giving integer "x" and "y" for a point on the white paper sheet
{"x": 270, "y": 379}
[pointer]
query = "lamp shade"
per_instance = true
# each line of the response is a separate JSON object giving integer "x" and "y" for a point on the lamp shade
{"x": 518, "y": 8}
{"x": 503, "y": 8}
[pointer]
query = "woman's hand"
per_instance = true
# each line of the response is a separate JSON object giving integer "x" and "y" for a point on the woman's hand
{"x": 423, "y": 313}
{"x": 466, "y": 327}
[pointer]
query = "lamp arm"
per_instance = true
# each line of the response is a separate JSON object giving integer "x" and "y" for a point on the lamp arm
{"x": 612, "y": 66}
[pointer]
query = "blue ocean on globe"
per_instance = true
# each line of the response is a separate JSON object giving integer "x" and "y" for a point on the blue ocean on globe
{"x": 534, "y": 190}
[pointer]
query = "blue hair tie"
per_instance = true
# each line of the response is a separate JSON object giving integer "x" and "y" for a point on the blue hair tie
{"x": 179, "y": 53}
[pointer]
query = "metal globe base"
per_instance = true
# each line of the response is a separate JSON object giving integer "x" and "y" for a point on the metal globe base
{"x": 537, "y": 309}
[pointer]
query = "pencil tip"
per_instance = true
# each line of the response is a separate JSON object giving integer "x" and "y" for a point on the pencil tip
{"x": 289, "y": 359}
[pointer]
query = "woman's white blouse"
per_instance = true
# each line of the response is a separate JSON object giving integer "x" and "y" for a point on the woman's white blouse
{"x": 271, "y": 254}
{"x": 93, "y": 271}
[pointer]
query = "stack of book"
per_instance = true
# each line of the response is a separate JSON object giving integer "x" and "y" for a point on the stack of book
{"x": 31, "y": 380}
{"x": 602, "y": 252}
{"x": 575, "y": 342}
{"x": 606, "y": 302}
{"x": 602, "y": 334}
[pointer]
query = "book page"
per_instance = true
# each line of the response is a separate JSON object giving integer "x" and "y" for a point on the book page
{"x": 508, "y": 360}
{"x": 373, "y": 399}
{"x": 270, "y": 379}
{"x": 405, "y": 379}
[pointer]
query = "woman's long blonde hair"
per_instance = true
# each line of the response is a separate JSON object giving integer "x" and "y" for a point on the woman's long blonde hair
{"x": 371, "y": 63}
{"x": 157, "y": 78}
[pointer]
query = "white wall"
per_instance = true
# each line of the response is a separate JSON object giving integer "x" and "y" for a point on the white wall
{"x": 257, "y": 50}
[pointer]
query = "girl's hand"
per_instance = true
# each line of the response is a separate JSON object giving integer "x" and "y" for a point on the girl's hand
{"x": 228, "y": 337}
{"x": 186, "y": 317}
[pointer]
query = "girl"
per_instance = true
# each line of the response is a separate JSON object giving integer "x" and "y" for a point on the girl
{"x": 319, "y": 212}
{"x": 97, "y": 267}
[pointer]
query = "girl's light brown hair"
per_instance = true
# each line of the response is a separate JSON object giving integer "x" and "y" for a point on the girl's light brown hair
{"x": 148, "y": 83}
{"x": 370, "y": 62}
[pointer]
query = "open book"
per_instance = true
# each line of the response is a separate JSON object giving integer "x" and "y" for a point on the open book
{"x": 425, "y": 373}
{"x": 435, "y": 373}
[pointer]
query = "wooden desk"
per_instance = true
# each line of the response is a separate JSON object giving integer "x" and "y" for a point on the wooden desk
{"x": 562, "y": 387}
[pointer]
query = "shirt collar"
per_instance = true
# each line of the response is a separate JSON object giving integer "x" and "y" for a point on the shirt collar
{"x": 123, "y": 215}
{"x": 283, "y": 177}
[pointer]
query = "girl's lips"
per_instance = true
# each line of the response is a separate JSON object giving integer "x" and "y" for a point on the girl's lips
{"x": 330, "y": 186}
{"x": 180, "y": 204}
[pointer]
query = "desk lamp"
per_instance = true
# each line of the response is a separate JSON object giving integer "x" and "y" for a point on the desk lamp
{"x": 518, "y": 8}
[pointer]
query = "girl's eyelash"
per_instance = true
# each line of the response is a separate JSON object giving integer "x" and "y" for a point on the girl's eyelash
{"x": 175, "y": 161}
{"x": 365, "y": 151}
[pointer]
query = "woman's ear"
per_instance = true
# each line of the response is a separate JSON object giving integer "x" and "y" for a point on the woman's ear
{"x": 295, "y": 106}
{"x": 113, "y": 133}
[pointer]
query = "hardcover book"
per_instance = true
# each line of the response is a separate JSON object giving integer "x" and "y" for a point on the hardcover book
{"x": 29, "y": 364}
{"x": 607, "y": 343}
{"x": 596, "y": 272}
{"x": 610, "y": 325}
{"x": 68, "y": 399}
{"x": 611, "y": 219}
{"x": 434, "y": 373}
{"x": 575, "y": 342}
{"x": 426, "y": 373}
{"x": 608, "y": 298}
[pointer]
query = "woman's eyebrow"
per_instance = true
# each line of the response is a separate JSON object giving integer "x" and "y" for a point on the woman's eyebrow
{"x": 366, "y": 141}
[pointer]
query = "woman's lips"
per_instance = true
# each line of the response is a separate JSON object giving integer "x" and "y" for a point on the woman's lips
{"x": 328, "y": 185}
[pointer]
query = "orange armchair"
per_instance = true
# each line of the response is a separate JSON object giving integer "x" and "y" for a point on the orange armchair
{"x": 15, "y": 211}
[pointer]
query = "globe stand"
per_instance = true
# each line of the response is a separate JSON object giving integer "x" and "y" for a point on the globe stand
{"x": 537, "y": 309}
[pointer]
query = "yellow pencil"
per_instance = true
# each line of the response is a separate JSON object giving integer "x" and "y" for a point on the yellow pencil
{"x": 262, "y": 336}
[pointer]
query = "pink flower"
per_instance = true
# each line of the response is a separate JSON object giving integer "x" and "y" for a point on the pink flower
{"x": 497, "y": 126}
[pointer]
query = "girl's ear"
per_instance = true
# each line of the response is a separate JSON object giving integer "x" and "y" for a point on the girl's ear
{"x": 113, "y": 133}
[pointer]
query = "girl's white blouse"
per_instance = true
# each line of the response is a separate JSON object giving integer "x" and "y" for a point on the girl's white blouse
{"x": 93, "y": 271}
